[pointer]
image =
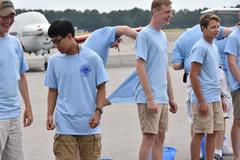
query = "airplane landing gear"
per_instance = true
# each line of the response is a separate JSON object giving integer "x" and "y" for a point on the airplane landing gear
{"x": 45, "y": 66}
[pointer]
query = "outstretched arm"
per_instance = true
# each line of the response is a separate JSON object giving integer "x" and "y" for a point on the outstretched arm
{"x": 23, "y": 87}
{"x": 127, "y": 31}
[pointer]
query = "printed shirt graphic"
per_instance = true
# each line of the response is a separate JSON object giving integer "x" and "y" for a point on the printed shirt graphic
{"x": 76, "y": 78}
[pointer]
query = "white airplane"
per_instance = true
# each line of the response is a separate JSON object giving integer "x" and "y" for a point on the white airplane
{"x": 235, "y": 11}
{"x": 31, "y": 29}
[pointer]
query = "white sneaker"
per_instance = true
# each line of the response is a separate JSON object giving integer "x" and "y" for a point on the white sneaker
{"x": 227, "y": 150}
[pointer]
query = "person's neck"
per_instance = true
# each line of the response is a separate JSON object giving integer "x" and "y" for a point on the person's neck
{"x": 2, "y": 34}
{"x": 74, "y": 49}
{"x": 208, "y": 39}
{"x": 155, "y": 25}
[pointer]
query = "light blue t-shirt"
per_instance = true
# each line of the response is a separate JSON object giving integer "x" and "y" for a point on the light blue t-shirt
{"x": 76, "y": 78}
{"x": 100, "y": 41}
{"x": 12, "y": 64}
{"x": 207, "y": 55}
{"x": 233, "y": 48}
{"x": 223, "y": 57}
{"x": 151, "y": 46}
{"x": 184, "y": 44}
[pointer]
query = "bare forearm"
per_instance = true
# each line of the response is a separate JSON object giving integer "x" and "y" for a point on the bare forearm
{"x": 169, "y": 86}
{"x": 101, "y": 94}
{"x": 127, "y": 31}
{"x": 196, "y": 87}
{"x": 23, "y": 87}
{"x": 52, "y": 97}
{"x": 235, "y": 71}
{"x": 144, "y": 79}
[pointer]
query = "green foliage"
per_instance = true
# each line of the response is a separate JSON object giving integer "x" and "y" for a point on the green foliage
{"x": 90, "y": 20}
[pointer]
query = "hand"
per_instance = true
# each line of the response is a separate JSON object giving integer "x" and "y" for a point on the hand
{"x": 224, "y": 105}
{"x": 27, "y": 117}
{"x": 95, "y": 120}
{"x": 203, "y": 108}
{"x": 173, "y": 106}
{"x": 152, "y": 107}
{"x": 49, "y": 124}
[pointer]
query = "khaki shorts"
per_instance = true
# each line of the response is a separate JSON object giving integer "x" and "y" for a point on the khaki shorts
{"x": 213, "y": 121}
{"x": 236, "y": 104}
{"x": 66, "y": 147}
{"x": 11, "y": 139}
{"x": 153, "y": 123}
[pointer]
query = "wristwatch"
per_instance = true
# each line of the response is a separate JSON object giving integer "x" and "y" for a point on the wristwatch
{"x": 99, "y": 110}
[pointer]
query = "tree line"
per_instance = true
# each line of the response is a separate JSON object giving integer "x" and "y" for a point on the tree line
{"x": 90, "y": 20}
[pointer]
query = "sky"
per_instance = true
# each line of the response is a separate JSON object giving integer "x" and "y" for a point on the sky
{"x": 109, "y": 5}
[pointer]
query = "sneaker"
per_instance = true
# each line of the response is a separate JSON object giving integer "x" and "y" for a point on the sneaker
{"x": 227, "y": 151}
{"x": 217, "y": 157}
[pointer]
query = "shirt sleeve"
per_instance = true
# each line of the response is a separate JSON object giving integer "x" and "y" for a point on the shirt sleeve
{"x": 50, "y": 76}
{"x": 232, "y": 46}
{"x": 198, "y": 55}
{"x": 23, "y": 67}
{"x": 142, "y": 46}
{"x": 101, "y": 74}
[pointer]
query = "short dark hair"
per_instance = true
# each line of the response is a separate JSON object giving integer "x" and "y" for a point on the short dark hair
{"x": 156, "y": 4}
{"x": 62, "y": 28}
{"x": 205, "y": 18}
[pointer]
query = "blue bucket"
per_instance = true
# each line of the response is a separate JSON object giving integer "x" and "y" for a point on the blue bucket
{"x": 168, "y": 153}
{"x": 203, "y": 148}
{"x": 106, "y": 158}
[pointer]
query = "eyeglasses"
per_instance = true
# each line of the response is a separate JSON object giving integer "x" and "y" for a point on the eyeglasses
{"x": 56, "y": 41}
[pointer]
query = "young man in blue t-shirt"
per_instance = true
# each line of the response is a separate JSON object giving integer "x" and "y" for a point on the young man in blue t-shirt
{"x": 76, "y": 79}
{"x": 12, "y": 80}
{"x": 154, "y": 91}
{"x": 204, "y": 75}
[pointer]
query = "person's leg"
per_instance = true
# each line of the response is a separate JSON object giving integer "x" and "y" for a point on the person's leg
{"x": 157, "y": 149}
{"x": 4, "y": 131}
{"x": 90, "y": 147}
{"x": 195, "y": 145}
{"x": 13, "y": 149}
{"x": 219, "y": 142}
{"x": 210, "y": 145}
{"x": 235, "y": 138}
{"x": 146, "y": 145}
{"x": 235, "y": 132}
{"x": 65, "y": 147}
{"x": 149, "y": 123}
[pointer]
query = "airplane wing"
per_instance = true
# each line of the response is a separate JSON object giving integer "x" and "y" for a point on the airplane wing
{"x": 32, "y": 33}
{"x": 235, "y": 11}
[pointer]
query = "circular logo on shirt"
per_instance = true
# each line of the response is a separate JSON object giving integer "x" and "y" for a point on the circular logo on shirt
{"x": 85, "y": 70}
